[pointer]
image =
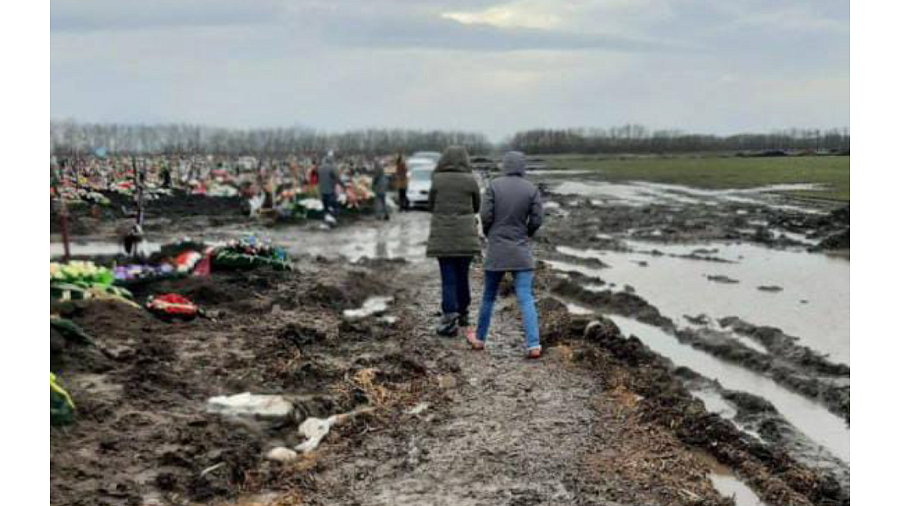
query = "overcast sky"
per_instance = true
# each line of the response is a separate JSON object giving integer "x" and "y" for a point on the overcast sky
{"x": 719, "y": 66}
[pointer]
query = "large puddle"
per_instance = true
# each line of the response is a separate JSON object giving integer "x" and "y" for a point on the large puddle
{"x": 639, "y": 193}
{"x": 404, "y": 236}
{"x": 724, "y": 480}
{"x": 813, "y": 303}
{"x": 809, "y": 417}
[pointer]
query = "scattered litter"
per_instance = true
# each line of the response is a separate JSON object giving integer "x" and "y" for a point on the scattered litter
{"x": 281, "y": 454}
{"x": 315, "y": 429}
{"x": 372, "y": 306}
{"x": 270, "y": 407}
{"x": 172, "y": 305}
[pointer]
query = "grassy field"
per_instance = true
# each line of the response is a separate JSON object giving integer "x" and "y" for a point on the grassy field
{"x": 723, "y": 172}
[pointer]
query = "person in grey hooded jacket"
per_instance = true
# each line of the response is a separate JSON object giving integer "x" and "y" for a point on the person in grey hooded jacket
{"x": 511, "y": 214}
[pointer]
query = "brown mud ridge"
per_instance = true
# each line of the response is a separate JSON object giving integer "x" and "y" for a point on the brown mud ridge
{"x": 792, "y": 365}
{"x": 178, "y": 210}
{"x": 662, "y": 399}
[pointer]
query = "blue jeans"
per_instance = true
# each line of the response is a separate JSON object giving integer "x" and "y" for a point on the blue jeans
{"x": 455, "y": 295}
{"x": 522, "y": 281}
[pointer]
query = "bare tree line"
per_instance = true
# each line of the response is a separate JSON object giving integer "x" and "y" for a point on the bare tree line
{"x": 69, "y": 137}
{"x": 638, "y": 139}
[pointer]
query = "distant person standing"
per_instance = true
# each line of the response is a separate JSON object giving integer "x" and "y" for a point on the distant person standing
{"x": 327, "y": 180}
{"x": 166, "y": 175}
{"x": 510, "y": 215}
{"x": 380, "y": 187}
{"x": 402, "y": 181}
{"x": 454, "y": 200}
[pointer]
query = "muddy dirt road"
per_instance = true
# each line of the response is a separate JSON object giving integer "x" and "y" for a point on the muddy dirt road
{"x": 512, "y": 432}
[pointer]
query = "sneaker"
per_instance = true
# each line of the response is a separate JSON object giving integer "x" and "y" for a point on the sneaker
{"x": 464, "y": 319}
{"x": 449, "y": 325}
{"x": 533, "y": 353}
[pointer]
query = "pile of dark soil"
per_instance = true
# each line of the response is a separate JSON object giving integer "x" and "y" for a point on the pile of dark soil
{"x": 87, "y": 219}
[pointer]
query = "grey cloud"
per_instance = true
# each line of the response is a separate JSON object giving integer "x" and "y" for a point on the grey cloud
{"x": 700, "y": 65}
{"x": 112, "y": 15}
{"x": 437, "y": 33}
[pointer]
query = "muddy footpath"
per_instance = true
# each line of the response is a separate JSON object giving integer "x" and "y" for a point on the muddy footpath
{"x": 358, "y": 402}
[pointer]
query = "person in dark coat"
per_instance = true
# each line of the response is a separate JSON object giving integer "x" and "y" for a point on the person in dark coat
{"x": 380, "y": 187}
{"x": 327, "y": 180}
{"x": 454, "y": 200}
{"x": 510, "y": 215}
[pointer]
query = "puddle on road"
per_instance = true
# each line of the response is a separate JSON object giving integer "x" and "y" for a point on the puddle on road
{"x": 679, "y": 286}
{"x": 590, "y": 272}
{"x": 404, "y": 236}
{"x": 578, "y": 309}
{"x": 811, "y": 418}
{"x": 715, "y": 403}
{"x": 559, "y": 172}
{"x": 726, "y": 483}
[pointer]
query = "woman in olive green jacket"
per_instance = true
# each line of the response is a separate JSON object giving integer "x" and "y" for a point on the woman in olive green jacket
{"x": 454, "y": 201}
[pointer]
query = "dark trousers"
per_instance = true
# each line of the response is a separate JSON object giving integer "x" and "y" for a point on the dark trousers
{"x": 330, "y": 203}
{"x": 455, "y": 295}
{"x": 401, "y": 196}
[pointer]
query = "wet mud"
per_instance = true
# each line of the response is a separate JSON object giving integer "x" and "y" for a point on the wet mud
{"x": 600, "y": 419}
{"x": 142, "y": 434}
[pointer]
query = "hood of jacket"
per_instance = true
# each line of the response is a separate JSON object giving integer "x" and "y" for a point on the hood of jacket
{"x": 454, "y": 159}
{"x": 514, "y": 163}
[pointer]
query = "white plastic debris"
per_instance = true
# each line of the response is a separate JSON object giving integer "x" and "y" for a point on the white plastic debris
{"x": 281, "y": 454}
{"x": 371, "y": 306}
{"x": 312, "y": 204}
{"x": 314, "y": 429}
{"x": 270, "y": 407}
